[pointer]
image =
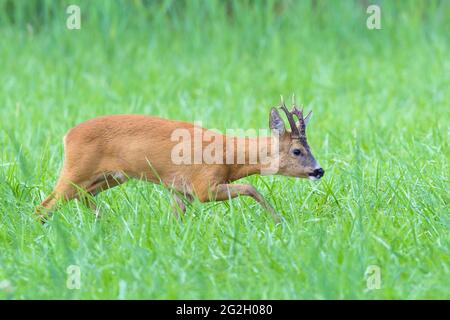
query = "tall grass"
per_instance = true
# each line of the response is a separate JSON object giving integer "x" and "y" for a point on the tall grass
{"x": 380, "y": 130}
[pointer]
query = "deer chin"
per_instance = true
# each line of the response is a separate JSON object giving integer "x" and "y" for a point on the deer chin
{"x": 301, "y": 176}
{"x": 313, "y": 178}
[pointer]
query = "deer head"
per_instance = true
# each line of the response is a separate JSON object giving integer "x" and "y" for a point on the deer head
{"x": 295, "y": 157}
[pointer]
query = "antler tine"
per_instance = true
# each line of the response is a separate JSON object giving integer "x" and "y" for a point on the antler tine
{"x": 308, "y": 115}
{"x": 282, "y": 101}
{"x": 301, "y": 120}
{"x": 294, "y": 107}
{"x": 298, "y": 113}
{"x": 294, "y": 130}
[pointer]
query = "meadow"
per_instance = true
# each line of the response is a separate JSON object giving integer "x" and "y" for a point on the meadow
{"x": 381, "y": 102}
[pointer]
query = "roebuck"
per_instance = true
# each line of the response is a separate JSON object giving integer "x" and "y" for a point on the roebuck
{"x": 106, "y": 151}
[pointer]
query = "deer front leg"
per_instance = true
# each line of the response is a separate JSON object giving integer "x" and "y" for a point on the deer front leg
{"x": 227, "y": 191}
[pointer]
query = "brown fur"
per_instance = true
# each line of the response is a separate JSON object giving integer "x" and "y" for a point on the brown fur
{"x": 139, "y": 146}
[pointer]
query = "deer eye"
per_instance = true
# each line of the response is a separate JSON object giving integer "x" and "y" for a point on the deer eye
{"x": 296, "y": 152}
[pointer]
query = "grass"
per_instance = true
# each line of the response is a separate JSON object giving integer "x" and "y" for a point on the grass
{"x": 380, "y": 130}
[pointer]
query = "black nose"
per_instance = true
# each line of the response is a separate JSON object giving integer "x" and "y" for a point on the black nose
{"x": 318, "y": 173}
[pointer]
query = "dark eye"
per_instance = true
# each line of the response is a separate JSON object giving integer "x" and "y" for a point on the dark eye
{"x": 296, "y": 152}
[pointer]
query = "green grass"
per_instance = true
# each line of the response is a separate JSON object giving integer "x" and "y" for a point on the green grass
{"x": 380, "y": 130}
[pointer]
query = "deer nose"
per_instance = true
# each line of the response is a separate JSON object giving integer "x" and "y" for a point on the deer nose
{"x": 318, "y": 173}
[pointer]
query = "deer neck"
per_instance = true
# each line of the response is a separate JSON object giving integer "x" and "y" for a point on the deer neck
{"x": 250, "y": 156}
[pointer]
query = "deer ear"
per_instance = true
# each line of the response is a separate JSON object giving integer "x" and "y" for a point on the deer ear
{"x": 276, "y": 123}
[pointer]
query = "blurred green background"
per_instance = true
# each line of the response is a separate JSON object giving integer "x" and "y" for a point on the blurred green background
{"x": 380, "y": 130}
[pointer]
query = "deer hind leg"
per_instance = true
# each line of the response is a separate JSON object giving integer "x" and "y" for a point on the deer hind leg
{"x": 102, "y": 183}
{"x": 65, "y": 189}
{"x": 105, "y": 181}
{"x": 179, "y": 203}
{"x": 223, "y": 192}
{"x": 81, "y": 189}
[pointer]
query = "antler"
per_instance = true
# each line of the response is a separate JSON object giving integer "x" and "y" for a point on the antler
{"x": 301, "y": 120}
{"x": 299, "y": 114}
{"x": 294, "y": 130}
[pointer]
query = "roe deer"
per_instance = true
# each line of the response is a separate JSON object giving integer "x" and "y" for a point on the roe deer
{"x": 106, "y": 151}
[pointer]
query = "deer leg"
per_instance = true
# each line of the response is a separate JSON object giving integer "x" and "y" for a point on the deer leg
{"x": 101, "y": 184}
{"x": 64, "y": 189}
{"x": 69, "y": 189}
{"x": 179, "y": 205}
{"x": 227, "y": 191}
